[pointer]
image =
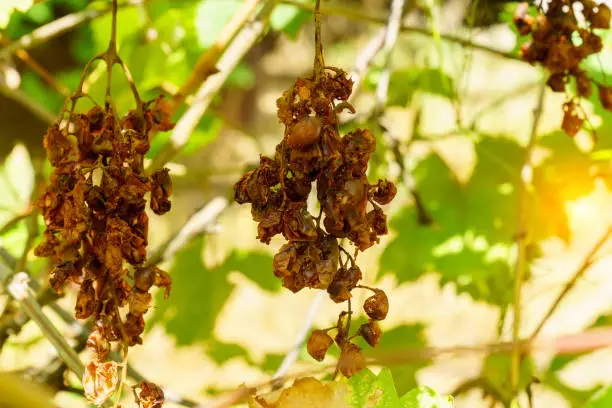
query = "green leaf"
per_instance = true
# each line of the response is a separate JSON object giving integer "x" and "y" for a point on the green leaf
{"x": 601, "y": 399}
{"x": 211, "y": 16}
{"x": 425, "y": 397}
{"x": 16, "y": 185}
{"x": 40, "y": 91}
{"x": 40, "y": 13}
{"x": 363, "y": 385}
{"x": 369, "y": 390}
{"x": 191, "y": 310}
{"x": 242, "y": 77}
{"x": 129, "y": 22}
{"x": 257, "y": 266}
{"x": 473, "y": 226}
{"x": 410, "y": 254}
{"x": 403, "y": 84}
{"x": 397, "y": 340}
{"x": 389, "y": 397}
{"x": 18, "y": 175}
{"x": 7, "y": 7}
{"x": 206, "y": 131}
{"x": 289, "y": 19}
{"x": 223, "y": 352}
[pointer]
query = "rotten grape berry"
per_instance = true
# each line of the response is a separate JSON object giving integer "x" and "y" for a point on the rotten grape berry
{"x": 377, "y": 305}
{"x": 318, "y": 344}
{"x": 371, "y": 332}
{"x": 314, "y": 153}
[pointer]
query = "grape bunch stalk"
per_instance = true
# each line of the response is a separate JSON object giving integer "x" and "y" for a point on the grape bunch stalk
{"x": 97, "y": 228}
{"x": 313, "y": 152}
{"x": 560, "y": 42}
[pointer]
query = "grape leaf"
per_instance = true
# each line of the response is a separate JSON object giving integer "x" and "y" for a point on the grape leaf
{"x": 397, "y": 340}
{"x": 369, "y": 390}
{"x": 410, "y": 254}
{"x": 211, "y": 16}
{"x": 601, "y": 399}
{"x": 222, "y": 352}
{"x": 289, "y": 19}
{"x": 257, "y": 266}
{"x": 191, "y": 310}
{"x": 404, "y": 83}
{"x": 425, "y": 397}
{"x": 7, "y": 7}
{"x": 474, "y": 224}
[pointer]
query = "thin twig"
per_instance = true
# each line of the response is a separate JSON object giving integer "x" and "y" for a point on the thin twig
{"x": 292, "y": 355}
{"x": 205, "y": 65}
{"x": 521, "y": 237}
{"x": 354, "y": 14}
{"x": 198, "y": 223}
{"x": 19, "y": 288}
{"x": 10, "y": 224}
{"x": 584, "y": 266}
{"x": 365, "y": 58}
{"x": 392, "y": 32}
{"x": 590, "y": 340}
{"x": 32, "y": 220}
{"x": 57, "y": 27}
{"x": 25, "y": 57}
{"x": 382, "y": 90}
{"x": 242, "y": 43}
{"x": 27, "y": 102}
{"x": 319, "y": 60}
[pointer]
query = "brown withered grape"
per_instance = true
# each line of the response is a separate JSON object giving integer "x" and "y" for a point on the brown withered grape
{"x": 371, "y": 332}
{"x": 312, "y": 153}
{"x": 377, "y": 305}
{"x": 96, "y": 225}
{"x": 318, "y": 344}
{"x": 148, "y": 395}
{"x": 351, "y": 360}
{"x": 554, "y": 46}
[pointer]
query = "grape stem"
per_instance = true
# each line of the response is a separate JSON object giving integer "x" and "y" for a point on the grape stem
{"x": 521, "y": 238}
{"x": 347, "y": 254}
{"x": 319, "y": 63}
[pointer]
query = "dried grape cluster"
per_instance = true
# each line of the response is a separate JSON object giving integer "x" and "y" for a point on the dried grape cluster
{"x": 313, "y": 152}
{"x": 560, "y": 43}
{"x": 96, "y": 225}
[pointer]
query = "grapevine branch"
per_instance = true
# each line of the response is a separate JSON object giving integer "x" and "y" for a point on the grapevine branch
{"x": 521, "y": 237}
{"x": 238, "y": 48}
{"x": 205, "y": 65}
{"x": 27, "y": 102}
{"x": 586, "y": 264}
{"x": 357, "y": 15}
{"x": 25, "y": 57}
{"x": 391, "y": 35}
{"x": 365, "y": 58}
{"x": 18, "y": 285}
{"x": 32, "y": 220}
{"x": 200, "y": 222}
{"x": 58, "y": 27}
{"x": 590, "y": 340}
{"x": 382, "y": 92}
{"x": 302, "y": 336}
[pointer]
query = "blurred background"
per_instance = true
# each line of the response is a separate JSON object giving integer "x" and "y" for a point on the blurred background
{"x": 452, "y": 133}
